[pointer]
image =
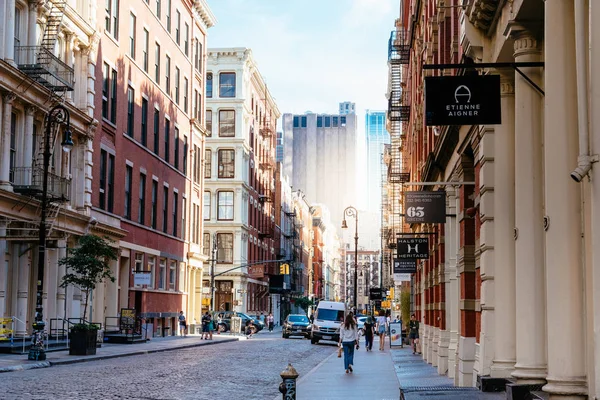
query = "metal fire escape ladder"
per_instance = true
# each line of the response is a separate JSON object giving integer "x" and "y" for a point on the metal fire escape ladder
{"x": 53, "y": 23}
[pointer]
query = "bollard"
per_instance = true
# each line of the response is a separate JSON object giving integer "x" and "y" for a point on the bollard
{"x": 288, "y": 386}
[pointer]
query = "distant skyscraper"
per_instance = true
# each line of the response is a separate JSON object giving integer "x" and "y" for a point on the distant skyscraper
{"x": 347, "y": 107}
{"x": 320, "y": 157}
{"x": 279, "y": 148}
{"x": 376, "y": 136}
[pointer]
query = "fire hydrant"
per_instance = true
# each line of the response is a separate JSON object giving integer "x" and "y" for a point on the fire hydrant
{"x": 288, "y": 386}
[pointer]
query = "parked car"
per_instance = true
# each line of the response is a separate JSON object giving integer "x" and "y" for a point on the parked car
{"x": 296, "y": 325}
{"x": 329, "y": 317}
{"x": 223, "y": 319}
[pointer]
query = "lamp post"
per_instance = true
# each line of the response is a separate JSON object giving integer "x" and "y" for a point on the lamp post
{"x": 58, "y": 115}
{"x": 352, "y": 212}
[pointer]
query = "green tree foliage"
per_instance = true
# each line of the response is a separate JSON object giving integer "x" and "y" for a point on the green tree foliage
{"x": 88, "y": 265}
{"x": 304, "y": 303}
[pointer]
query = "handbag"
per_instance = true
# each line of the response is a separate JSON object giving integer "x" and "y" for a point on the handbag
{"x": 340, "y": 350}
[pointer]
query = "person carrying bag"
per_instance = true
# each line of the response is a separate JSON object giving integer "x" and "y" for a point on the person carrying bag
{"x": 349, "y": 340}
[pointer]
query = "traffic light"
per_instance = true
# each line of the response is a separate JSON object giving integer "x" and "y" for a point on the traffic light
{"x": 284, "y": 269}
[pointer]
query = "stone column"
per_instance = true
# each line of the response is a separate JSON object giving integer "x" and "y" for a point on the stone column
{"x": 529, "y": 245}
{"x": 504, "y": 242}
{"x": 452, "y": 275}
{"x": 28, "y": 142}
{"x": 3, "y": 272}
{"x": 112, "y": 292}
{"x": 5, "y": 141}
{"x": 31, "y": 25}
{"x": 9, "y": 31}
{"x": 22, "y": 272}
{"x": 198, "y": 294}
{"x": 51, "y": 284}
{"x": 564, "y": 262}
{"x": 60, "y": 272}
{"x": 445, "y": 351}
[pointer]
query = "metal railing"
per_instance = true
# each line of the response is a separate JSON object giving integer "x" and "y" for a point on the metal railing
{"x": 29, "y": 181}
{"x": 13, "y": 335}
{"x": 44, "y": 67}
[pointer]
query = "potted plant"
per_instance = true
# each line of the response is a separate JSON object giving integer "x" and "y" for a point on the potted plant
{"x": 87, "y": 265}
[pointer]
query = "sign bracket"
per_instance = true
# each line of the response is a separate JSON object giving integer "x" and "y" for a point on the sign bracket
{"x": 514, "y": 65}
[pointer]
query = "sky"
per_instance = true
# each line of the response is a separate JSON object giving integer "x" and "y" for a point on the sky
{"x": 313, "y": 54}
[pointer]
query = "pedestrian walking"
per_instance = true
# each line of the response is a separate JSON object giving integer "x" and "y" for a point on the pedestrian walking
{"x": 381, "y": 329}
{"x": 182, "y": 324}
{"x": 369, "y": 332}
{"x": 270, "y": 321}
{"x": 211, "y": 326}
{"x": 205, "y": 328}
{"x": 348, "y": 340}
{"x": 262, "y": 317}
{"x": 413, "y": 335}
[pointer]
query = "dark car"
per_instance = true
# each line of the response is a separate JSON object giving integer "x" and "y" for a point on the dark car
{"x": 296, "y": 325}
{"x": 223, "y": 319}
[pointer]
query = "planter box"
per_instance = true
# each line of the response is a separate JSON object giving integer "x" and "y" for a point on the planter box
{"x": 83, "y": 343}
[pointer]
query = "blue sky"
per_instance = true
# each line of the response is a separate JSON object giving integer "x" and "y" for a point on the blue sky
{"x": 313, "y": 54}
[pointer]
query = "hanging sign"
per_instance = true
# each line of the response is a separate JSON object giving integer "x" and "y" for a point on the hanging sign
{"x": 427, "y": 207}
{"x": 412, "y": 249}
{"x": 142, "y": 278}
{"x": 405, "y": 266}
{"x": 375, "y": 294}
{"x": 462, "y": 100}
{"x": 256, "y": 271}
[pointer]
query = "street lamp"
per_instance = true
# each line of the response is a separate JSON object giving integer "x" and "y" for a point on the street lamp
{"x": 352, "y": 212}
{"x": 58, "y": 115}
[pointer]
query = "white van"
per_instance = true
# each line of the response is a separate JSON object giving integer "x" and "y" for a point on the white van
{"x": 328, "y": 319}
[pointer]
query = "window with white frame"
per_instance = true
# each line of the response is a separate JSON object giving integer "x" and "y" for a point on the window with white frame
{"x": 111, "y": 17}
{"x": 225, "y": 205}
{"x": 206, "y": 205}
{"x": 162, "y": 274}
{"x": 172, "y": 274}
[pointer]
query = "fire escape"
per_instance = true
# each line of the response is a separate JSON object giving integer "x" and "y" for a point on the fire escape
{"x": 40, "y": 65}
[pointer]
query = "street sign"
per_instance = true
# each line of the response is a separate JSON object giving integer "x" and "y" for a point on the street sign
{"x": 428, "y": 207}
{"x": 412, "y": 249}
{"x": 405, "y": 266}
{"x": 462, "y": 100}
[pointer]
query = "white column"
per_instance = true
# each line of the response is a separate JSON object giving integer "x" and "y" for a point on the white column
{"x": 50, "y": 285}
{"x": 9, "y": 31}
{"x": 61, "y": 270}
{"x": 529, "y": 246}
{"x": 564, "y": 262}
{"x": 22, "y": 270}
{"x": 5, "y": 142}
{"x": 504, "y": 242}
{"x": 32, "y": 25}
{"x": 3, "y": 272}
{"x": 111, "y": 295}
{"x": 453, "y": 292}
{"x": 28, "y": 142}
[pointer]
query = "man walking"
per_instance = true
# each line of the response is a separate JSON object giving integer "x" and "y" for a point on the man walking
{"x": 182, "y": 324}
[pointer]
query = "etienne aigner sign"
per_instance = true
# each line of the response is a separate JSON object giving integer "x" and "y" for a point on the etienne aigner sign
{"x": 462, "y": 100}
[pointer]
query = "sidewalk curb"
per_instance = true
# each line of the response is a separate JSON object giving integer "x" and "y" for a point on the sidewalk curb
{"x": 23, "y": 367}
{"x": 140, "y": 352}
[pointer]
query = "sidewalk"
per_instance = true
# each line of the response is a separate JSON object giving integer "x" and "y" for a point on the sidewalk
{"x": 373, "y": 377}
{"x": 419, "y": 380}
{"x": 19, "y": 362}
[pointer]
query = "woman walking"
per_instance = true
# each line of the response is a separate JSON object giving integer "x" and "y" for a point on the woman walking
{"x": 381, "y": 329}
{"x": 349, "y": 339}
{"x": 369, "y": 329}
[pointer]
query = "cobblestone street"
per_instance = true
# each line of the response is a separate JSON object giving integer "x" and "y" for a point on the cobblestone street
{"x": 247, "y": 369}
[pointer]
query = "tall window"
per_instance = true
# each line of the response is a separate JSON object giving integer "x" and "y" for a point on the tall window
{"x": 146, "y": 49}
{"x": 206, "y": 244}
{"x": 193, "y": 224}
{"x": 168, "y": 75}
{"x": 227, "y": 84}
{"x": 175, "y": 210}
{"x": 156, "y": 128}
{"x": 142, "y": 200}
{"x": 132, "y": 35}
{"x": 197, "y": 164}
{"x": 168, "y": 15}
{"x": 227, "y": 123}
{"x": 207, "y": 163}
{"x": 186, "y": 41}
{"x": 181, "y": 277}
{"x": 13, "y": 147}
{"x": 162, "y": 273}
{"x": 158, "y": 7}
{"x": 167, "y": 139}
{"x": 185, "y": 155}
{"x": 177, "y": 27}
{"x": 172, "y": 274}
{"x": 152, "y": 269}
{"x": 198, "y": 56}
{"x": 165, "y": 209}
{"x": 157, "y": 62}
{"x": 128, "y": 183}
{"x": 109, "y": 93}
{"x": 209, "y": 85}
{"x": 111, "y": 17}
{"x": 153, "y": 215}
{"x": 130, "y": 108}
{"x": 183, "y": 218}
{"x": 225, "y": 247}
{"x": 196, "y": 105}
{"x": 206, "y": 206}
{"x": 107, "y": 178}
{"x": 226, "y": 163}
{"x": 197, "y": 223}
{"x": 177, "y": 72}
{"x": 225, "y": 205}
{"x": 144, "y": 122}
{"x": 185, "y": 94}
{"x": 176, "y": 149}
{"x": 208, "y": 122}
{"x": 199, "y": 110}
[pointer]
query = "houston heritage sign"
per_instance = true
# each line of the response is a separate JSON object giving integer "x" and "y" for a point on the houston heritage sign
{"x": 412, "y": 248}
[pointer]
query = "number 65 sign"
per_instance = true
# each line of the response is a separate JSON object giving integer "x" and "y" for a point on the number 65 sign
{"x": 426, "y": 207}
